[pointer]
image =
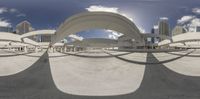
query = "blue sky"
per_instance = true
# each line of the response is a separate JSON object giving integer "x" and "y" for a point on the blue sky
{"x": 44, "y": 14}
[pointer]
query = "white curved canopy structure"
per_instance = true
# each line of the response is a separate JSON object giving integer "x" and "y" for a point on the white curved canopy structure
{"x": 45, "y": 32}
{"x": 182, "y": 38}
{"x": 6, "y": 36}
{"x": 38, "y": 32}
{"x": 97, "y": 20}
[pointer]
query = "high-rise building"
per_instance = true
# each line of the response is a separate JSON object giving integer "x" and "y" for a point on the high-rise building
{"x": 6, "y": 29}
{"x": 178, "y": 30}
{"x": 156, "y": 32}
{"x": 156, "y": 29}
{"x": 164, "y": 27}
{"x": 193, "y": 25}
{"x": 194, "y": 29}
{"x": 23, "y": 27}
{"x": 197, "y": 28}
{"x": 152, "y": 38}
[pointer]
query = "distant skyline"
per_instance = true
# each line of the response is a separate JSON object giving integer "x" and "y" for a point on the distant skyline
{"x": 49, "y": 14}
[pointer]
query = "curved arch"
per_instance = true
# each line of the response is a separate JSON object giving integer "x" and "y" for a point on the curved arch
{"x": 6, "y": 36}
{"x": 38, "y": 32}
{"x": 97, "y": 20}
{"x": 182, "y": 38}
{"x": 43, "y": 32}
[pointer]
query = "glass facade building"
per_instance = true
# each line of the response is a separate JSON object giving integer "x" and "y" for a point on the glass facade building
{"x": 6, "y": 29}
{"x": 164, "y": 27}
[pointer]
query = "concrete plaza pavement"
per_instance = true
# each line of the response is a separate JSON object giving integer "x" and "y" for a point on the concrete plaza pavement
{"x": 51, "y": 78}
{"x": 95, "y": 77}
{"x": 14, "y": 62}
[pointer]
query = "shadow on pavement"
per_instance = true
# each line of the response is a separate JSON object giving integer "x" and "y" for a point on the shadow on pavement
{"x": 158, "y": 83}
{"x": 182, "y": 54}
{"x": 49, "y": 56}
{"x": 15, "y": 54}
{"x": 105, "y": 56}
{"x": 151, "y": 62}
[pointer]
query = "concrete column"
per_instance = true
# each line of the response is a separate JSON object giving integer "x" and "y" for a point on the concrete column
{"x": 70, "y": 49}
{"x": 25, "y": 49}
{"x": 61, "y": 49}
{"x": 20, "y": 49}
{"x": 36, "y": 49}
{"x": 65, "y": 49}
{"x": 53, "y": 49}
{"x": 9, "y": 48}
{"x": 75, "y": 49}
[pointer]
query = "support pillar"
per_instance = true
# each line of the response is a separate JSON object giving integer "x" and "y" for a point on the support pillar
{"x": 25, "y": 49}
{"x": 36, "y": 49}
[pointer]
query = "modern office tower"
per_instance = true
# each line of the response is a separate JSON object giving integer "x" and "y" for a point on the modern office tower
{"x": 164, "y": 27}
{"x": 194, "y": 28}
{"x": 6, "y": 29}
{"x": 23, "y": 27}
{"x": 194, "y": 25}
{"x": 152, "y": 38}
{"x": 156, "y": 29}
{"x": 178, "y": 30}
{"x": 197, "y": 28}
{"x": 156, "y": 32}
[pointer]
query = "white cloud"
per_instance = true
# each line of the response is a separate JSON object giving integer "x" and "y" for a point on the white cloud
{"x": 17, "y": 12}
{"x": 65, "y": 40}
{"x": 95, "y": 8}
{"x": 196, "y": 10}
{"x": 4, "y": 23}
{"x": 99, "y": 8}
{"x": 191, "y": 23}
{"x": 3, "y": 10}
{"x": 75, "y": 37}
{"x": 185, "y": 19}
{"x": 113, "y": 34}
{"x": 110, "y": 36}
{"x": 13, "y": 10}
{"x": 127, "y": 17}
{"x": 142, "y": 30}
{"x": 155, "y": 26}
{"x": 164, "y": 18}
{"x": 195, "y": 22}
{"x": 21, "y": 15}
